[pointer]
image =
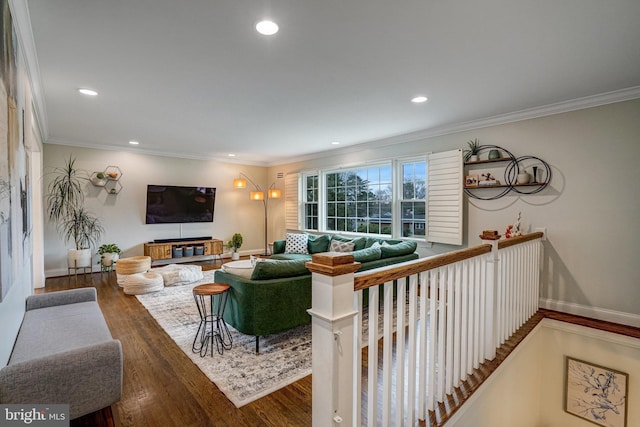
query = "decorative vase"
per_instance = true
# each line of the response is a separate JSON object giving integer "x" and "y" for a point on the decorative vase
{"x": 494, "y": 154}
{"x": 535, "y": 175}
{"x": 523, "y": 177}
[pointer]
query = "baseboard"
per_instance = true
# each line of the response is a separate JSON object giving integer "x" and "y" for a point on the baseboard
{"x": 620, "y": 317}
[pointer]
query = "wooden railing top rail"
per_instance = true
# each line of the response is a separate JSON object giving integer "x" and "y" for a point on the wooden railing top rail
{"x": 502, "y": 244}
{"x": 381, "y": 275}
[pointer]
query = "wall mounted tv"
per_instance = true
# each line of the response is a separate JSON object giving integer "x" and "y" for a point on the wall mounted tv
{"x": 169, "y": 204}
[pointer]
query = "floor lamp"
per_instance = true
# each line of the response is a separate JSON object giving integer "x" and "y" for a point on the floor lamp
{"x": 258, "y": 194}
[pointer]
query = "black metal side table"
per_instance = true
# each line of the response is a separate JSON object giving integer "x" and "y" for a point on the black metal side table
{"x": 212, "y": 328}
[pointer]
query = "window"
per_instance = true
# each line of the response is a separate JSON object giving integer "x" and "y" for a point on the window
{"x": 413, "y": 178}
{"x": 417, "y": 198}
{"x": 360, "y": 200}
{"x": 310, "y": 202}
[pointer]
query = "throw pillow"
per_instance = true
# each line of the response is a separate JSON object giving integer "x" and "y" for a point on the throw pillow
{"x": 318, "y": 243}
{"x": 296, "y": 244}
{"x": 338, "y": 246}
{"x": 358, "y": 242}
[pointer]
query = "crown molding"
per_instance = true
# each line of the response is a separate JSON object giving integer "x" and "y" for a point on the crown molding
{"x": 147, "y": 152}
{"x": 22, "y": 22}
{"x": 516, "y": 116}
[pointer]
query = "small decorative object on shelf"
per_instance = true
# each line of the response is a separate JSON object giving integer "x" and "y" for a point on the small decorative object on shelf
{"x": 98, "y": 179}
{"x": 495, "y": 154}
{"x": 473, "y": 151}
{"x": 488, "y": 181}
{"x": 113, "y": 173}
{"x": 513, "y": 230}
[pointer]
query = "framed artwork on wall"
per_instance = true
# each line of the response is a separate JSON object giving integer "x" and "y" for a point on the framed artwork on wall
{"x": 595, "y": 393}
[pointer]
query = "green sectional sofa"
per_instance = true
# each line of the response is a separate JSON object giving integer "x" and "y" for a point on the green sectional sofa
{"x": 277, "y": 294}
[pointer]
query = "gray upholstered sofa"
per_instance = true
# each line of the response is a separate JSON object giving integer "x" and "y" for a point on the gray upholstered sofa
{"x": 64, "y": 354}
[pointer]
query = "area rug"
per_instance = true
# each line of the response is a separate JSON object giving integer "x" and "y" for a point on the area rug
{"x": 239, "y": 373}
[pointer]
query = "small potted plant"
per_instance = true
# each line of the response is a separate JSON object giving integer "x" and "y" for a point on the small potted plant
{"x": 109, "y": 253}
{"x": 234, "y": 244}
{"x": 472, "y": 153}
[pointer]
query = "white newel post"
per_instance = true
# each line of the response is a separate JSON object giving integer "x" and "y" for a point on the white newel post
{"x": 332, "y": 327}
{"x": 491, "y": 308}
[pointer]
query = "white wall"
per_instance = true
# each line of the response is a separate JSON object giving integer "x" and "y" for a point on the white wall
{"x": 123, "y": 215}
{"x": 528, "y": 388}
{"x": 591, "y": 209}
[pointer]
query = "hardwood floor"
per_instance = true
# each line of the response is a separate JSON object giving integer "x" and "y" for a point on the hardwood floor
{"x": 162, "y": 387}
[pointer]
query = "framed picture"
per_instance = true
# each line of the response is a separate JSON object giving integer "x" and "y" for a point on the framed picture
{"x": 595, "y": 393}
{"x": 471, "y": 181}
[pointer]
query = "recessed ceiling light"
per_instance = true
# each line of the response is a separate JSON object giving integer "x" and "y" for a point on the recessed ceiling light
{"x": 134, "y": 142}
{"x": 231, "y": 155}
{"x": 419, "y": 99}
{"x": 267, "y": 28}
{"x": 86, "y": 91}
{"x": 335, "y": 142}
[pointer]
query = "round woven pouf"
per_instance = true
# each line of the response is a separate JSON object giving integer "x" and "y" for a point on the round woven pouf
{"x": 131, "y": 265}
{"x": 142, "y": 283}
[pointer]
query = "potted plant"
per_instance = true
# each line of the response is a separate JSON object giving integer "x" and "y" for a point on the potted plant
{"x": 65, "y": 208}
{"x": 472, "y": 153}
{"x": 109, "y": 253}
{"x": 234, "y": 244}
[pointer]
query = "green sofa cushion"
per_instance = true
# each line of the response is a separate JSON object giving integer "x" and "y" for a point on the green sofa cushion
{"x": 306, "y": 257}
{"x": 369, "y": 241}
{"x": 278, "y": 269}
{"x": 399, "y": 249}
{"x": 366, "y": 255}
{"x": 318, "y": 243}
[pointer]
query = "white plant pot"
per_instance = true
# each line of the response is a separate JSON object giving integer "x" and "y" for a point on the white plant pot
{"x": 473, "y": 158}
{"x": 235, "y": 256}
{"x": 79, "y": 258}
{"x": 108, "y": 258}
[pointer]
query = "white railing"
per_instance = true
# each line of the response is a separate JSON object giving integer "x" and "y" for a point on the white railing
{"x": 444, "y": 316}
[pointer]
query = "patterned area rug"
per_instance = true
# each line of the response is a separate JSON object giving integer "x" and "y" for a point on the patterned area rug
{"x": 239, "y": 373}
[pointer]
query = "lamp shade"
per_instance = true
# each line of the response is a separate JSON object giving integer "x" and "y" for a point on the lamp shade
{"x": 274, "y": 193}
{"x": 239, "y": 183}
{"x": 256, "y": 195}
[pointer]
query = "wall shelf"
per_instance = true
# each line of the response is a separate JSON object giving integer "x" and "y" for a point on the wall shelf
{"x": 509, "y": 181}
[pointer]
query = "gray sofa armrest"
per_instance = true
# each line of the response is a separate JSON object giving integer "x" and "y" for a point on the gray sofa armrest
{"x": 87, "y": 378}
{"x": 70, "y": 296}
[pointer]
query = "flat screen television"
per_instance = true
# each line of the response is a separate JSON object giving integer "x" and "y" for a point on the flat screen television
{"x": 170, "y": 204}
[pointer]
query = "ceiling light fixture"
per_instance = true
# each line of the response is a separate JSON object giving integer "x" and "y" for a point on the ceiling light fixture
{"x": 231, "y": 155}
{"x": 134, "y": 142}
{"x": 89, "y": 92}
{"x": 335, "y": 143}
{"x": 267, "y": 28}
{"x": 419, "y": 99}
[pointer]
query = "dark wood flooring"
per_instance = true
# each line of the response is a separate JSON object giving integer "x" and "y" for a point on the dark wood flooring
{"x": 162, "y": 387}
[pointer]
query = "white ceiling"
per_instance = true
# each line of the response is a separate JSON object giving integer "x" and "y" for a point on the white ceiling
{"x": 193, "y": 78}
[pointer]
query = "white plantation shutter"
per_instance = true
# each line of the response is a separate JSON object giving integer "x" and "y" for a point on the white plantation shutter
{"x": 291, "y": 201}
{"x": 445, "y": 197}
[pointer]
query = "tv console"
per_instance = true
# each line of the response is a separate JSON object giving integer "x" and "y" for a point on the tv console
{"x": 181, "y": 239}
{"x": 161, "y": 251}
